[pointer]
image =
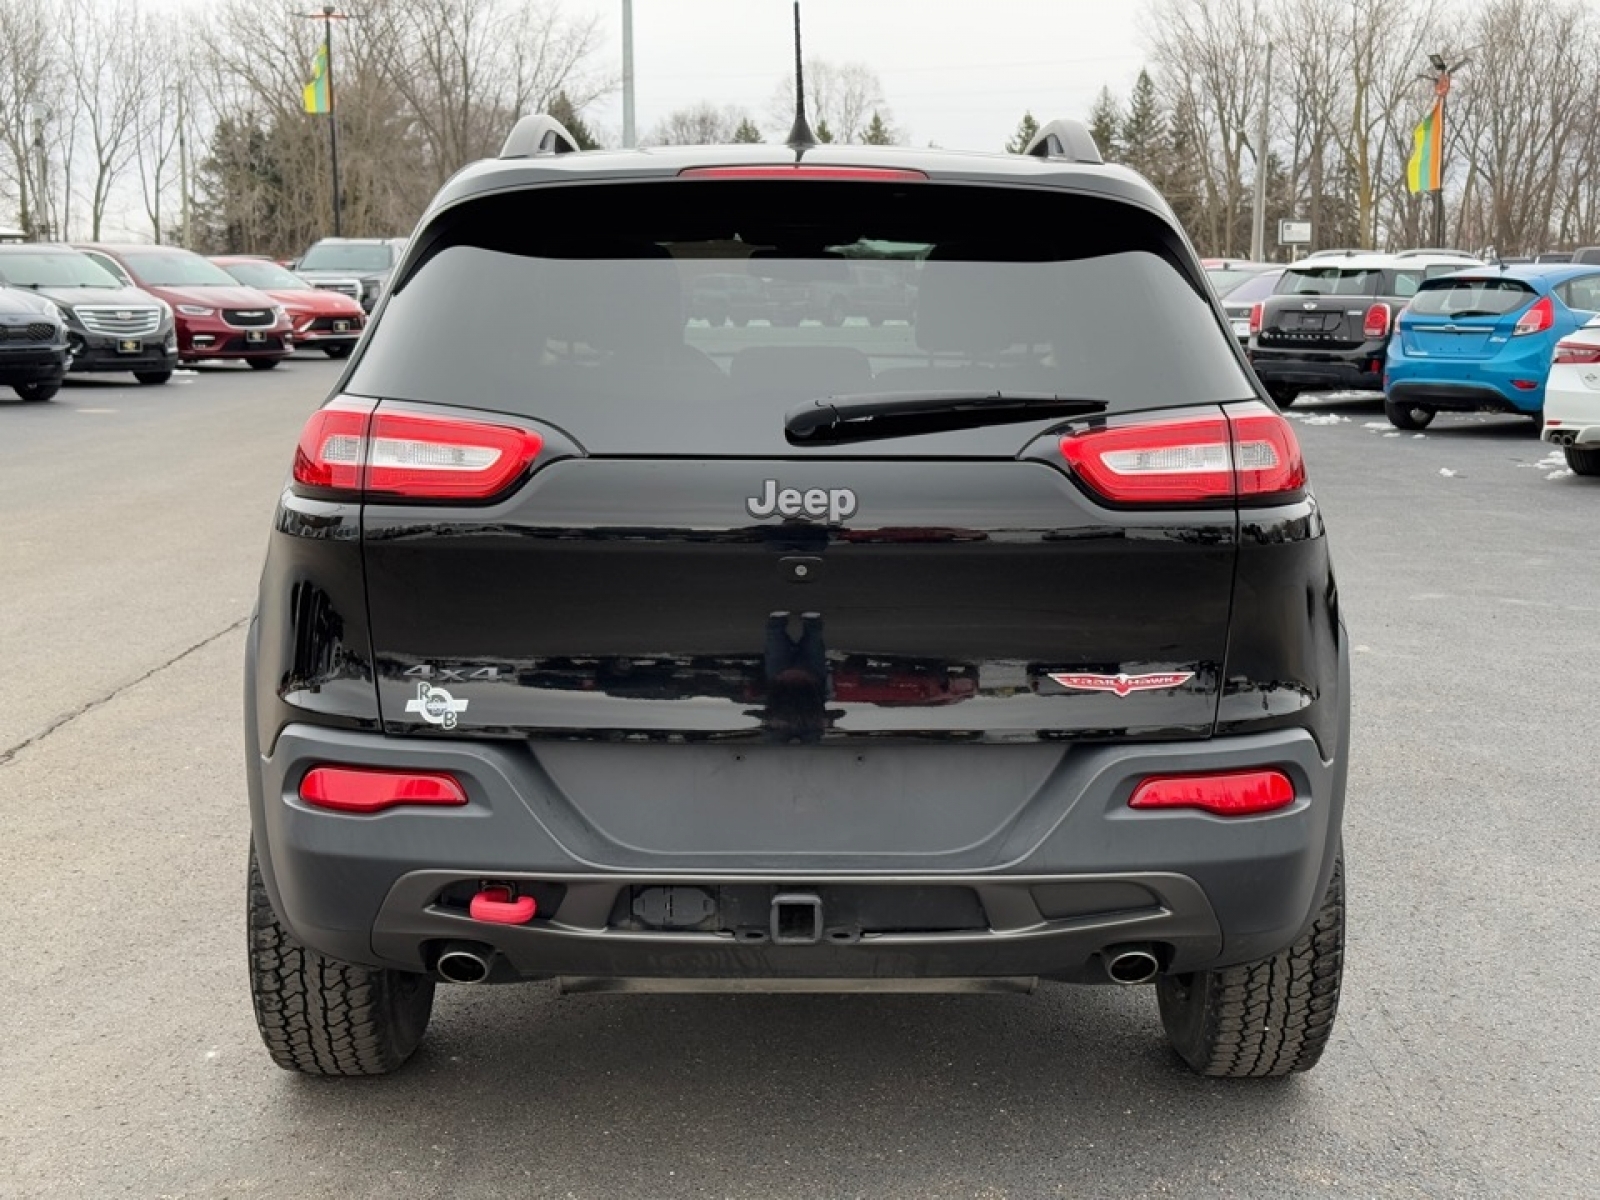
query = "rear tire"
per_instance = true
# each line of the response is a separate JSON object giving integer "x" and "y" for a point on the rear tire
{"x": 338, "y": 350}
{"x": 152, "y": 378}
{"x": 35, "y": 393}
{"x": 1407, "y": 416}
{"x": 320, "y": 1016}
{"x": 1265, "y": 1018}
{"x": 1284, "y": 397}
{"x": 263, "y": 364}
{"x": 1582, "y": 460}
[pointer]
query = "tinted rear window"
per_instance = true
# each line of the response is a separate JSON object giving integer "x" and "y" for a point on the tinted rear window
{"x": 1329, "y": 281}
{"x": 1257, "y": 287}
{"x": 690, "y": 316}
{"x": 1471, "y": 297}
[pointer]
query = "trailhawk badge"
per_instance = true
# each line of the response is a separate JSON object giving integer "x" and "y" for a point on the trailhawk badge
{"x": 436, "y": 706}
{"x": 1123, "y": 685}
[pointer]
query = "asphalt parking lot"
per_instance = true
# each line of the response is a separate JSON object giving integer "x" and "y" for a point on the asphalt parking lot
{"x": 1466, "y": 1061}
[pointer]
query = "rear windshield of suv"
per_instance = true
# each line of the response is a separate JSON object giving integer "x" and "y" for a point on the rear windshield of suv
{"x": 1471, "y": 297}
{"x": 596, "y": 308}
{"x": 345, "y": 256}
{"x": 1329, "y": 281}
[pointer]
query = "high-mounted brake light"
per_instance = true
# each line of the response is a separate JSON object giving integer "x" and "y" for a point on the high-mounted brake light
{"x": 349, "y": 448}
{"x": 1539, "y": 317}
{"x": 1247, "y": 451}
{"x": 1575, "y": 354}
{"x": 365, "y": 790}
{"x": 802, "y": 171}
{"x": 1376, "y": 322}
{"x": 1234, "y": 794}
{"x": 1257, "y": 311}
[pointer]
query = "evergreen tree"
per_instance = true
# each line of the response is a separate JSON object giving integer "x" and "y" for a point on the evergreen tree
{"x": 747, "y": 132}
{"x": 1105, "y": 125}
{"x": 1143, "y": 133}
{"x": 877, "y": 134}
{"x": 1026, "y": 128}
{"x": 824, "y": 134}
{"x": 561, "y": 109}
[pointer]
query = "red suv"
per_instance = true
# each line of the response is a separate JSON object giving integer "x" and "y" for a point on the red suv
{"x": 328, "y": 320}
{"x": 217, "y": 317}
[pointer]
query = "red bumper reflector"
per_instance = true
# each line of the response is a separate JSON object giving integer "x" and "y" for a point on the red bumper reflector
{"x": 495, "y": 905}
{"x": 1524, "y": 385}
{"x": 1234, "y": 794}
{"x": 365, "y": 790}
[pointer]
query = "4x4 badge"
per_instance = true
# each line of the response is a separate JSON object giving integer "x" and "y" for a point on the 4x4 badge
{"x": 1124, "y": 685}
{"x": 436, "y": 706}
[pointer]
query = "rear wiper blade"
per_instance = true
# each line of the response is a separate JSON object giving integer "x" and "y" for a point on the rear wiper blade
{"x": 904, "y": 414}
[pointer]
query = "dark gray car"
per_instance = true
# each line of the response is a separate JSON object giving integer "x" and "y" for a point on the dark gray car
{"x": 110, "y": 326}
{"x": 33, "y": 345}
{"x": 358, "y": 267}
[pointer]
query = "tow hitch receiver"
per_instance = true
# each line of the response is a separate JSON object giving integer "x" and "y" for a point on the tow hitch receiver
{"x": 796, "y": 919}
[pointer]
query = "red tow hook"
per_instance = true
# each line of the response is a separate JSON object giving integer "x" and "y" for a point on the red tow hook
{"x": 495, "y": 905}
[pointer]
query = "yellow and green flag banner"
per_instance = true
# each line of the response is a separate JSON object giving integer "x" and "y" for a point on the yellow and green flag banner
{"x": 315, "y": 94}
{"x": 1427, "y": 152}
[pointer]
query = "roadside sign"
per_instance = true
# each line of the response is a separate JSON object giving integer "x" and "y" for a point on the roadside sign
{"x": 1294, "y": 233}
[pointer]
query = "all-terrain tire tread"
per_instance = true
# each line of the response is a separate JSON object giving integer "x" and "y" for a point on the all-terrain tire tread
{"x": 320, "y": 1016}
{"x": 1270, "y": 1017}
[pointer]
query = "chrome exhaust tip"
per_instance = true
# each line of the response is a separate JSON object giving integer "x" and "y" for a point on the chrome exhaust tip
{"x": 464, "y": 962}
{"x": 1130, "y": 964}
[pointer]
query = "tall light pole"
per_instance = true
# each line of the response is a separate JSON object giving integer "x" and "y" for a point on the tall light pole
{"x": 1440, "y": 79}
{"x": 40, "y": 113}
{"x": 328, "y": 16}
{"x": 1258, "y": 218}
{"x": 628, "y": 139}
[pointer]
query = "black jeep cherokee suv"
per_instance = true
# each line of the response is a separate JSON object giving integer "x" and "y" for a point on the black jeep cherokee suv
{"x": 997, "y": 647}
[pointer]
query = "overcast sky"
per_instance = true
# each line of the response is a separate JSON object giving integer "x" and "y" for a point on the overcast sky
{"x": 954, "y": 72}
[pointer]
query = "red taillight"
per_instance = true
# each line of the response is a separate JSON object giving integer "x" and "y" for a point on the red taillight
{"x": 1576, "y": 354}
{"x": 364, "y": 790}
{"x": 1537, "y": 319}
{"x": 441, "y": 458}
{"x": 1256, "y": 311}
{"x": 801, "y": 171}
{"x": 1248, "y": 451}
{"x": 346, "y": 447}
{"x": 1235, "y": 794}
{"x": 1376, "y": 322}
{"x": 331, "y": 446}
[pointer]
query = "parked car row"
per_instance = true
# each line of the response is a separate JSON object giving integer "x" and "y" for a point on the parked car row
{"x": 1439, "y": 331}
{"x": 146, "y": 309}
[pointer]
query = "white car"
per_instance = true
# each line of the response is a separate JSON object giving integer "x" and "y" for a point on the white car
{"x": 1572, "y": 399}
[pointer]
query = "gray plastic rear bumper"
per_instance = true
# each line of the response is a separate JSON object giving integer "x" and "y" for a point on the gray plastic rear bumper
{"x": 1059, "y": 870}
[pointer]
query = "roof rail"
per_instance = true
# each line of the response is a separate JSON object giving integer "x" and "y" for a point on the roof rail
{"x": 1061, "y": 138}
{"x": 537, "y": 134}
{"x": 1421, "y": 251}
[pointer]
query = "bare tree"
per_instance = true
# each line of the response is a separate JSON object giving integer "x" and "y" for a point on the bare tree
{"x": 106, "y": 65}
{"x": 467, "y": 69}
{"x": 842, "y": 96}
{"x": 1211, "y": 60}
{"x": 703, "y": 124}
{"x": 29, "y": 76}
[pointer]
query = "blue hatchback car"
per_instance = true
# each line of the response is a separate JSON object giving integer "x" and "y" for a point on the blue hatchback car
{"x": 1482, "y": 339}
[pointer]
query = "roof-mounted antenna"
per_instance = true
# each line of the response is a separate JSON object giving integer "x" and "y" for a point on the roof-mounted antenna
{"x": 800, "y": 135}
